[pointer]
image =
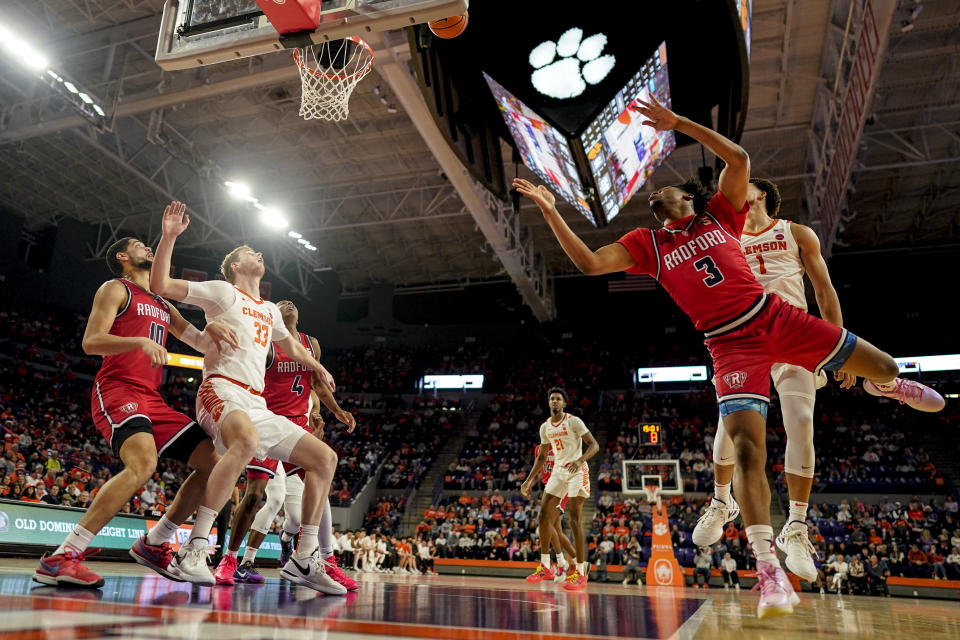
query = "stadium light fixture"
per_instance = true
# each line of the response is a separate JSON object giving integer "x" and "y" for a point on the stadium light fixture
{"x": 273, "y": 218}
{"x": 294, "y": 235}
{"x": 25, "y": 53}
{"x": 238, "y": 190}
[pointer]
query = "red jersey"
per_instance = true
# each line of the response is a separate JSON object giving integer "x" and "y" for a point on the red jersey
{"x": 286, "y": 385}
{"x": 699, "y": 261}
{"x": 144, "y": 315}
{"x": 547, "y": 466}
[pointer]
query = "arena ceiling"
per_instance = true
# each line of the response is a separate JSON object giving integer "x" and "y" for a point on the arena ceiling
{"x": 370, "y": 194}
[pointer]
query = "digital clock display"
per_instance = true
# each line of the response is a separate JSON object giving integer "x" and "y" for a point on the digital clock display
{"x": 650, "y": 434}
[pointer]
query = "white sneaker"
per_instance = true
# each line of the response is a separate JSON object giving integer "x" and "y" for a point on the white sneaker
{"x": 560, "y": 573}
{"x": 795, "y": 542}
{"x": 625, "y": 581}
{"x": 710, "y": 525}
{"x": 737, "y": 586}
{"x": 190, "y": 565}
{"x": 310, "y": 572}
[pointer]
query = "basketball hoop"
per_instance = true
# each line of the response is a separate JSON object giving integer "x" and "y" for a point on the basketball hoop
{"x": 652, "y": 492}
{"x": 329, "y": 72}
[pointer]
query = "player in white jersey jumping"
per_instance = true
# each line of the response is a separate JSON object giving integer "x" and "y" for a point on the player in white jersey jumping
{"x": 779, "y": 252}
{"x": 564, "y": 434}
{"x": 231, "y": 408}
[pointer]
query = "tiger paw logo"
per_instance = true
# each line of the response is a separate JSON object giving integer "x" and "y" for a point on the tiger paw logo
{"x": 565, "y": 77}
{"x": 736, "y": 379}
{"x": 129, "y": 407}
{"x": 664, "y": 571}
{"x": 660, "y": 529}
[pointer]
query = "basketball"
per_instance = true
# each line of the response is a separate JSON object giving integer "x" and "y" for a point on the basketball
{"x": 447, "y": 28}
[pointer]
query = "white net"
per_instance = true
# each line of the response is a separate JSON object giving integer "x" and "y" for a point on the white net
{"x": 329, "y": 73}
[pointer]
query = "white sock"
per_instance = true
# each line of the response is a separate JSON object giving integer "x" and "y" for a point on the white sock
{"x": 886, "y": 386}
{"x": 231, "y": 553}
{"x": 161, "y": 532}
{"x": 722, "y": 492}
{"x": 250, "y": 554}
{"x": 582, "y": 568}
{"x": 760, "y": 537}
{"x": 798, "y": 513}
{"x": 202, "y": 526}
{"x": 562, "y": 561}
{"x": 286, "y": 536}
{"x": 78, "y": 540}
{"x": 545, "y": 559}
{"x": 308, "y": 541}
{"x": 325, "y": 534}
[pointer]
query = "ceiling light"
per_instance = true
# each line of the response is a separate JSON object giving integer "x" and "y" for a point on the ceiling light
{"x": 303, "y": 241}
{"x": 23, "y": 51}
{"x": 310, "y": 247}
{"x": 71, "y": 87}
{"x": 99, "y": 111}
{"x": 273, "y": 218}
{"x": 238, "y": 190}
{"x": 294, "y": 235}
{"x": 86, "y": 98}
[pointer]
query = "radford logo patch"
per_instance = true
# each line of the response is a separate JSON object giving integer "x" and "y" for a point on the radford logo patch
{"x": 735, "y": 379}
{"x": 129, "y": 407}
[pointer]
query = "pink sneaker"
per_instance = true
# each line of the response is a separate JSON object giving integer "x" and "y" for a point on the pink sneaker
{"x": 333, "y": 570}
{"x": 776, "y": 593}
{"x": 224, "y": 572}
{"x": 909, "y": 392}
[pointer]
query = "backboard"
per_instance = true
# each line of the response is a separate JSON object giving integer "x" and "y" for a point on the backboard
{"x": 640, "y": 473}
{"x": 195, "y": 33}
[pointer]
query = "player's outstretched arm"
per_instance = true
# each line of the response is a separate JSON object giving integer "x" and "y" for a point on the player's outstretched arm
{"x": 827, "y": 298}
{"x": 734, "y": 177}
{"x": 315, "y": 419}
{"x": 298, "y": 353}
{"x": 324, "y": 376}
{"x": 175, "y": 222}
{"x": 97, "y": 339}
{"x": 215, "y": 335}
{"x": 607, "y": 259}
{"x": 527, "y": 487}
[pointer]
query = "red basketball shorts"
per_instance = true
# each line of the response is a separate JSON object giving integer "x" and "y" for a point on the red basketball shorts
{"x": 121, "y": 409}
{"x": 266, "y": 468}
{"x": 780, "y": 332}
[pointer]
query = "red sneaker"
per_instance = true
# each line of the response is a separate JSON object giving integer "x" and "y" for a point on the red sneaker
{"x": 333, "y": 570}
{"x": 575, "y": 581}
{"x": 542, "y": 573}
{"x": 67, "y": 570}
{"x": 224, "y": 572}
{"x": 155, "y": 557}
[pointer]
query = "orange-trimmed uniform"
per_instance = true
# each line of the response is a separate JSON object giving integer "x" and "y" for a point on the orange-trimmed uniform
{"x": 546, "y": 471}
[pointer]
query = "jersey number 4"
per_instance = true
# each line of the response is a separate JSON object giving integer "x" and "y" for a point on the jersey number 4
{"x": 714, "y": 276}
{"x": 296, "y": 387}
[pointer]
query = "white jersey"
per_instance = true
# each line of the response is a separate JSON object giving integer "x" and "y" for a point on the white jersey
{"x": 565, "y": 437}
{"x": 774, "y": 257}
{"x": 257, "y": 323}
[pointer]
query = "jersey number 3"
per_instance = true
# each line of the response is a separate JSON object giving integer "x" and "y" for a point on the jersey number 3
{"x": 263, "y": 332}
{"x": 714, "y": 277}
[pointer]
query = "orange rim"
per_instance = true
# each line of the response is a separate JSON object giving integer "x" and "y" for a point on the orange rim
{"x": 360, "y": 73}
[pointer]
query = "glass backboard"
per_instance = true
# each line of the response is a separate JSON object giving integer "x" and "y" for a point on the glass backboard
{"x": 195, "y": 33}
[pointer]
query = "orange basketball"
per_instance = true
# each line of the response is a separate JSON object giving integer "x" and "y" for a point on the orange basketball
{"x": 447, "y": 28}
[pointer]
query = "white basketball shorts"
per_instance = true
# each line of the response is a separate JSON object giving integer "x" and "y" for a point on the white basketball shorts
{"x": 574, "y": 485}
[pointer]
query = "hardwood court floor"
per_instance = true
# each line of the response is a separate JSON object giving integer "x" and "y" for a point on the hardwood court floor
{"x": 140, "y": 605}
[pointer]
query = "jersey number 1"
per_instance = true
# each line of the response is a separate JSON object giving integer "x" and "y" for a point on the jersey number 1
{"x": 714, "y": 276}
{"x": 158, "y": 333}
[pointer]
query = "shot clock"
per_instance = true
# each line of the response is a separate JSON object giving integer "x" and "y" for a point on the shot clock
{"x": 650, "y": 434}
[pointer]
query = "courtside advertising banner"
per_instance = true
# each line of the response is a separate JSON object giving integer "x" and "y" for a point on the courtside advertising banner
{"x": 24, "y": 523}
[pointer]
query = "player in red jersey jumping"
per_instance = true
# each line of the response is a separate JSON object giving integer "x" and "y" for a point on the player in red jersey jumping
{"x": 561, "y": 544}
{"x": 128, "y": 326}
{"x": 696, "y": 256}
{"x": 290, "y": 390}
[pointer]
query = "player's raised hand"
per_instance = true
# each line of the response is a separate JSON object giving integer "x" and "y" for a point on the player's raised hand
{"x": 539, "y": 194}
{"x": 327, "y": 378}
{"x": 154, "y": 351}
{"x": 175, "y": 219}
{"x": 846, "y": 380}
{"x": 220, "y": 334}
{"x": 657, "y": 115}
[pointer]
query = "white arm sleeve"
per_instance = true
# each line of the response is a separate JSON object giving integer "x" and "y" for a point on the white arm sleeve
{"x": 213, "y": 296}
